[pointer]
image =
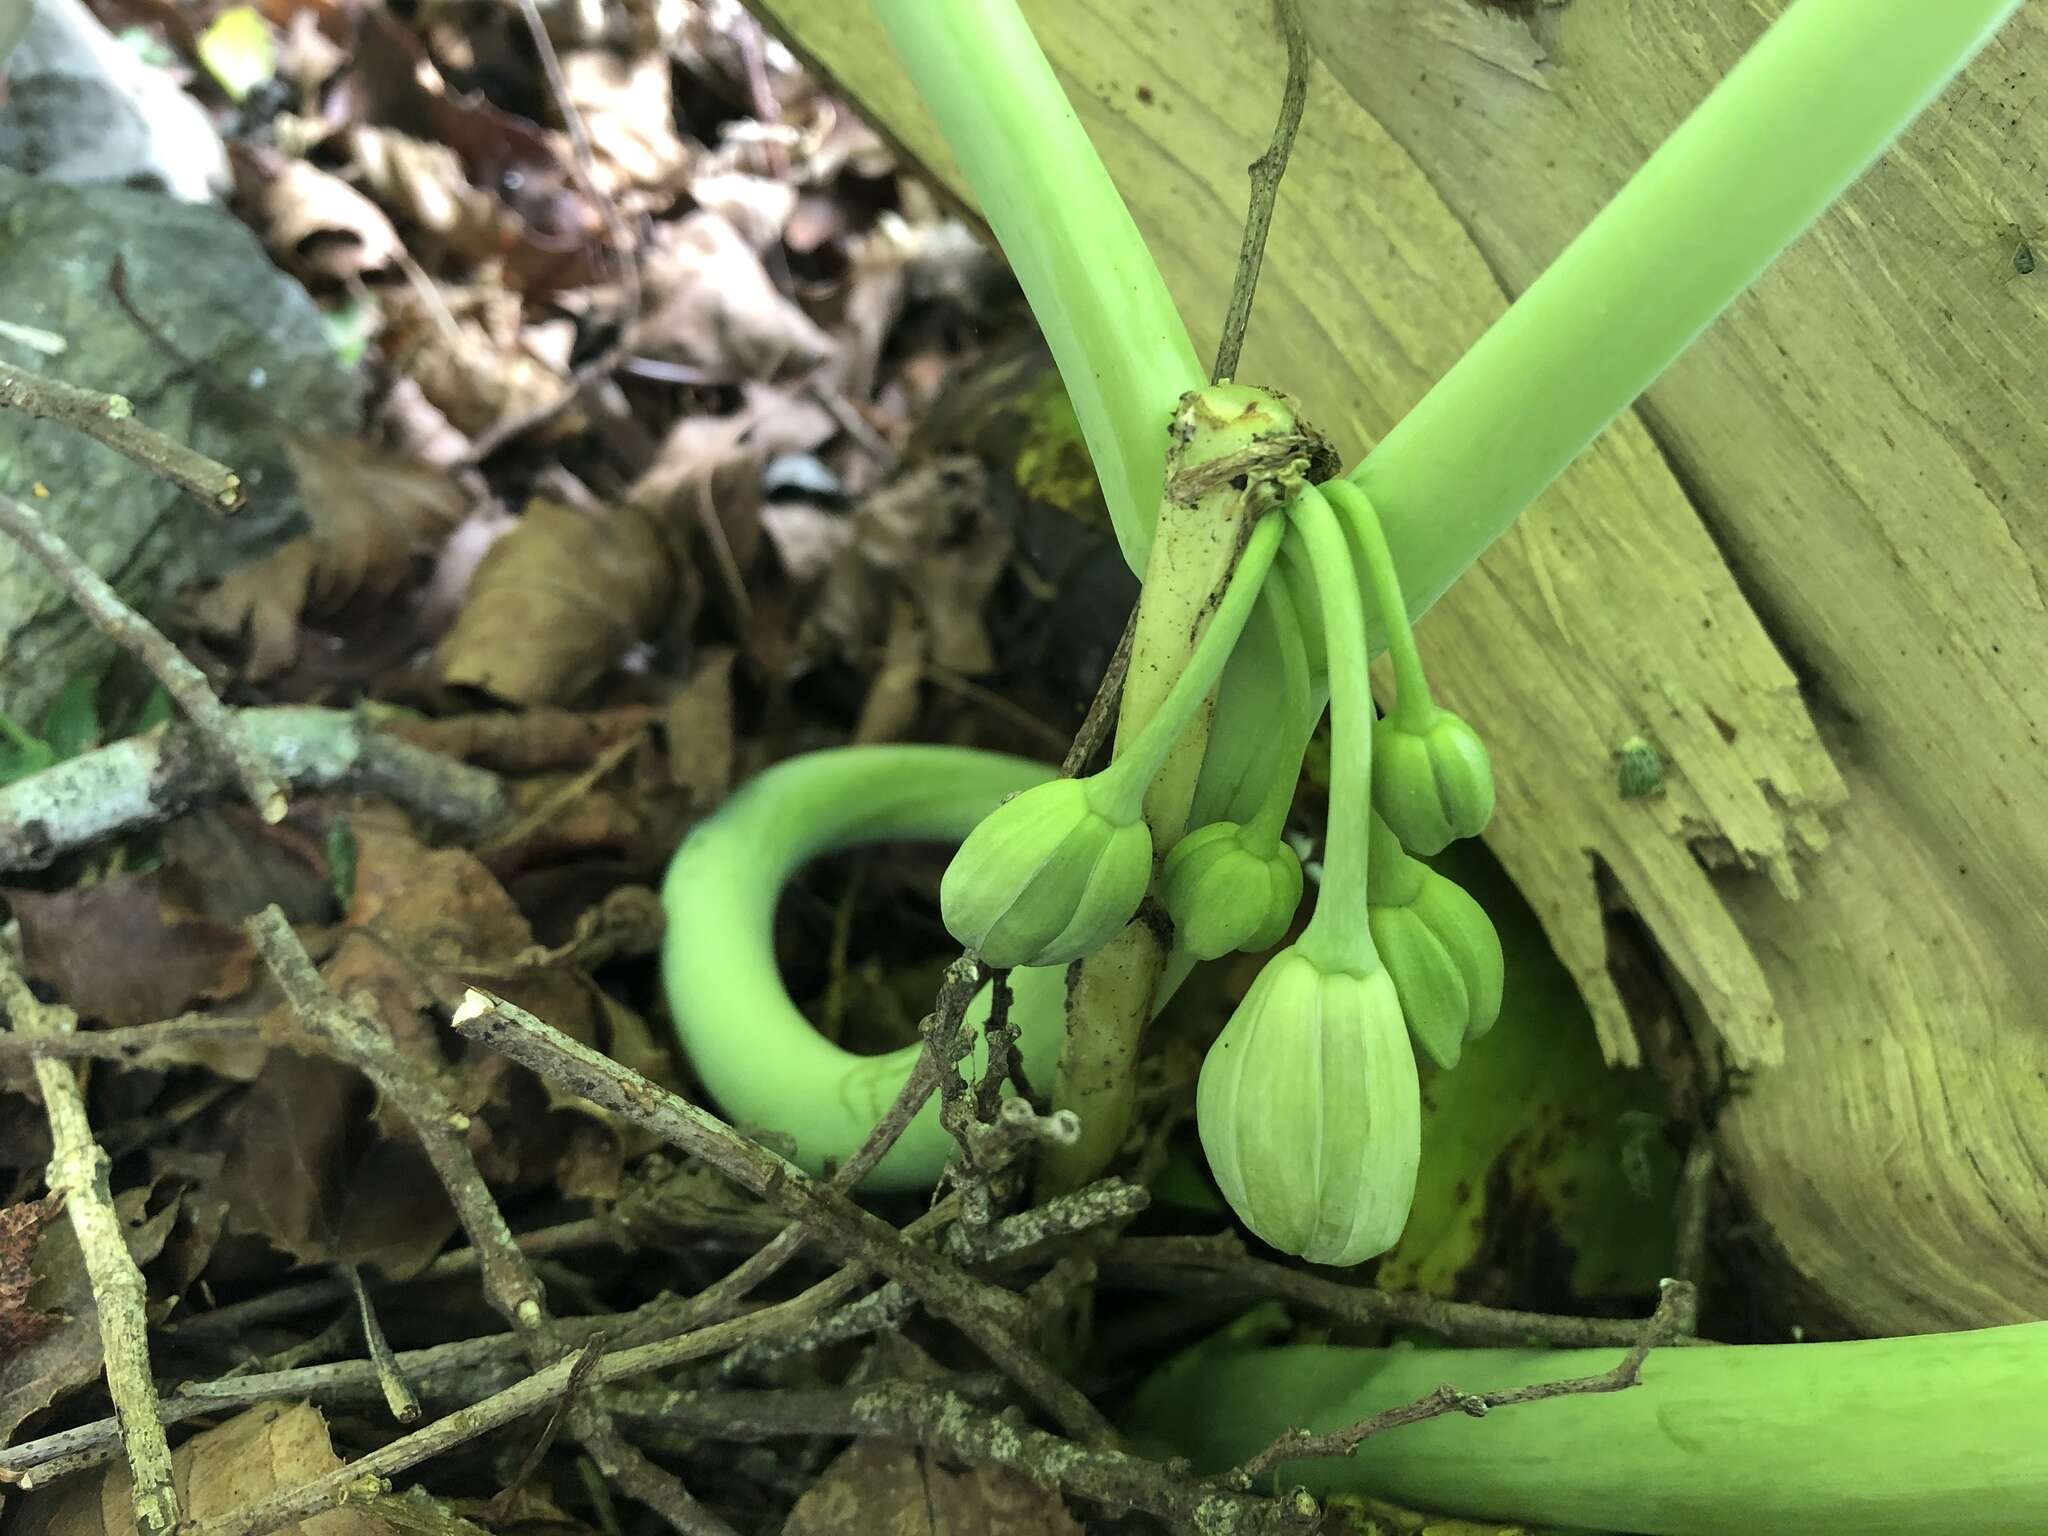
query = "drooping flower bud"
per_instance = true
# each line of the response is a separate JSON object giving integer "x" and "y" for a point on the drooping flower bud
{"x": 1225, "y": 892}
{"x": 1430, "y": 778}
{"x": 1045, "y": 878}
{"x": 1309, "y": 1111}
{"x": 1444, "y": 957}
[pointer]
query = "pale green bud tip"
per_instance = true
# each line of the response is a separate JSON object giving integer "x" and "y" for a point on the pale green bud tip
{"x": 1445, "y": 960}
{"x": 1045, "y": 878}
{"x": 1226, "y": 895}
{"x": 1310, "y": 1114}
{"x": 1434, "y": 785}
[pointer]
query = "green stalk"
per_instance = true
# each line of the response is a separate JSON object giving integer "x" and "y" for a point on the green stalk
{"x": 1818, "y": 98}
{"x": 1337, "y": 938}
{"x": 1121, "y": 348}
{"x": 1932, "y": 1435}
{"x": 1413, "y": 706}
{"x": 1284, "y": 761}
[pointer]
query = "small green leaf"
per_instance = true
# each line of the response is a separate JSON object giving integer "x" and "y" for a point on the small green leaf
{"x": 20, "y": 753}
{"x": 156, "y": 710}
{"x": 341, "y": 859}
{"x": 72, "y": 725}
{"x": 350, "y": 325}
{"x": 239, "y": 50}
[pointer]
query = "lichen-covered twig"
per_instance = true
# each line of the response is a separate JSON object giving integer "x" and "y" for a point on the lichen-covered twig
{"x": 399, "y": 1396}
{"x": 185, "y": 683}
{"x": 1266, "y": 172}
{"x": 110, "y": 419}
{"x": 979, "y": 1310}
{"x": 136, "y": 1042}
{"x": 1673, "y": 1314}
{"x": 78, "y": 1172}
{"x": 1219, "y": 1266}
{"x": 144, "y": 780}
{"x": 509, "y": 1283}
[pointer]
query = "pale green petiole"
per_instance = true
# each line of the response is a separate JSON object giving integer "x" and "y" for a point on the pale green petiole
{"x": 1284, "y": 767}
{"x": 1118, "y": 791}
{"x": 1122, "y": 349}
{"x": 1413, "y": 706}
{"x": 1798, "y": 119}
{"x": 1337, "y": 937}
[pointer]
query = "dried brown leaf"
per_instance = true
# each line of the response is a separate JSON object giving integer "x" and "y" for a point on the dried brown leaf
{"x": 759, "y": 207}
{"x": 556, "y": 603}
{"x": 371, "y": 517}
{"x": 699, "y": 728}
{"x": 629, "y": 111}
{"x": 251, "y": 1456}
{"x": 712, "y": 305}
{"x": 475, "y": 373}
{"x": 425, "y": 185}
{"x": 21, "y": 1230}
{"x": 876, "y": 1489}
{"x": 67, "y": 1357}
{"x": 129, "y": 950}
{"x": 318, "y": 225}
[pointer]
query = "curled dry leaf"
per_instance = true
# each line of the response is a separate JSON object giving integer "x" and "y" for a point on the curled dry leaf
{"x": 425, "y": 186}
{"x": 371, "y": 516}
{"x": 254, "y": 1454}
{"x": 557, "y": 601}
{"x": 317, "y": 224}
{"x": 629, "y": 111}
{"x": 711, "y": 304}
{"x": 555, "y": 238}
{"x": 474, "y": 371}
{"x": 759, "y": 207}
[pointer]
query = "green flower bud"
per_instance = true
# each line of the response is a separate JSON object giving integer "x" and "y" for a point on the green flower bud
{"x": 1309, "y": 1111}
{"x": 1444, "y": 956}
{"x": 1433, "y": 784}
{"x": 1045, "y": 878}
{"x": 1224, "y": 893}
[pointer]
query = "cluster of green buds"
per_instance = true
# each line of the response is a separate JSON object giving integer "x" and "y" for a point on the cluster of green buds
{"x": 1309, "y": 1101}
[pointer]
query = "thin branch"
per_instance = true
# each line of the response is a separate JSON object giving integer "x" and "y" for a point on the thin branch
{"x": 144, "y": 780}
{"x": 1673, "y": 1308}
{"x": 110, "y": 419}
{"x": 134, "y": 1043}
{"x": 509, "y": 1283}
{"x": 78, "y": 1172}
{"x": 1266, "y": 172}
{"x": 1690, "y": 1208}
{"x": 979, "y": 1310}
{"x": 1219, "y": 1266}
{"x": 399, "y": 1396}
{"x": 185, "y": 683}
{"x": 1095, "y": 725}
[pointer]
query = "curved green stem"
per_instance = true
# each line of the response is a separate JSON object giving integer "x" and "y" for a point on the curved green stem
{"x": 1413, "y": 706}
{"x": 1337, "y": 937}
{"x": 1284, "y": 767}
{"x": 1811, "y": 105}
{"x": 1121, "y": 347}
{"x": 1924, "y": 1436}
{"x": 1119, "y": 790}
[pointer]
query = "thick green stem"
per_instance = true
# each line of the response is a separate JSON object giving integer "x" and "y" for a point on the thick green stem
{"x": 1926, "y": 1436}
{"x": 1119, "y": 790}
{"x": 1284, "y": 770}
{"x": 1413, "y": 706}
{"x": 1337, "y": 937}
{"x": 1122, "y": 350}
{"x": 1793, "y": 124}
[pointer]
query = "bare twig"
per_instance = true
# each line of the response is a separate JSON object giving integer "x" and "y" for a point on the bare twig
{"x": 1673, "y": 1307}
{"x": 128, "y": 629}
{"x": 136, "y": 1042}
{"x": 1219, "y": 1266}
{"x": 509, "y": 1282}
{"x": 78, "y": 1173}
{"x": 1690, "y": 1209}
{"x": 1102, "y": 708}
{"x": 979, "y": 1310}
{"x": 948, "y": 1424}
{"x": 399, "y": 1396}
{"x": 110, "y": 419}
{"x": 1266, "y": 172}
{"x": 143, "y": 780}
